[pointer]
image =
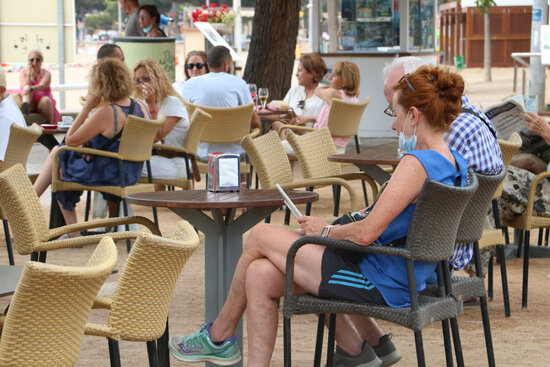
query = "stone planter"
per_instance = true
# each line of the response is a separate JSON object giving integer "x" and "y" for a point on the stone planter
{"x": 222, "y": 28}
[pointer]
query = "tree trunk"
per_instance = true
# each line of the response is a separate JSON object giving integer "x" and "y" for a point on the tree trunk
{"x": 487, "y": 47}
{"x": 271, "y": 57}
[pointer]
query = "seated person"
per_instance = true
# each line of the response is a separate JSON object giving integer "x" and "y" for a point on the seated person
{"x": 426, "y": 101}
{"x": 302, "y": 98}
{"x": 35, "y": 89}
{"x": 218, "y": 88}
{"x": 344, "y": 84}
{"x": 153, "y": 86}
{"x": 111, "y": 81}
{"x": 9, "y": 114}
{"x": 195, "y": 65}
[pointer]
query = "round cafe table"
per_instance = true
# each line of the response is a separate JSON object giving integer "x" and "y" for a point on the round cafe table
{"x": 223, "y": 231}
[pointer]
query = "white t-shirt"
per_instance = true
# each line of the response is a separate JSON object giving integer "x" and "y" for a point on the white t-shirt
{"x": 178, "y": 86}
{"x": 169, "y": 168}
{"x": 217, "y": 90}
{"x": 9, "y": 114}
{"x": 312, "y": 106}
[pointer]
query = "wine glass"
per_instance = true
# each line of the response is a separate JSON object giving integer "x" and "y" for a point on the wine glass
{"x": 253, "y": 92}
{"x": 263, "y": 94}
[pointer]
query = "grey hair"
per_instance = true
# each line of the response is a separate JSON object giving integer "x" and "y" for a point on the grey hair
{"x": 409, "y": 64}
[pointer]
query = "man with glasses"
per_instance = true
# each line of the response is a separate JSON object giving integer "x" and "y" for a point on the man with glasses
{"x": 472, "y": 134}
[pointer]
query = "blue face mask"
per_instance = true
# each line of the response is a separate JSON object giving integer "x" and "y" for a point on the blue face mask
{"x": 148, "y": 28}
{"x": 406, "y": 145}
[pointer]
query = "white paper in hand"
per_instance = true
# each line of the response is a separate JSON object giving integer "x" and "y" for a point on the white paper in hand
{"x": 289, "y": 202}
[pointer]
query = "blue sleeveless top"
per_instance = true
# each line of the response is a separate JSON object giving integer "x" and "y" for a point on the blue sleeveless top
{"x": 101, "y": 171}
{"x": 389, "y": 273}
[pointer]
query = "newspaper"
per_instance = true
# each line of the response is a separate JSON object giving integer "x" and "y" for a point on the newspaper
{"x": 506, "y": 117}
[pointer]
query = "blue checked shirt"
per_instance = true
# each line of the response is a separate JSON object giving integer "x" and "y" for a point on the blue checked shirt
{"x": 470, "y": 136}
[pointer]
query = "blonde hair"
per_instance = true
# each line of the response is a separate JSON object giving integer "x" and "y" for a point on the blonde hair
{"x": 349, "y": 73}
{"x": 36, "y": 51}
{"x": 111, "y": 79}
{"x": 159, "y": 80}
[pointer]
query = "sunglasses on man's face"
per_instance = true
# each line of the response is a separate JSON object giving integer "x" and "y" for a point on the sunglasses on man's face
{"x": 198, "y": 65}
{"x": 32, "y": 59}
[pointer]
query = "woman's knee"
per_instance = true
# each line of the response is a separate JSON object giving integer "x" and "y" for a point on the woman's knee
{"x": 44, "y": 102}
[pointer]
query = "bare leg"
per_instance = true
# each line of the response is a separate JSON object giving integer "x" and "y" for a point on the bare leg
{"x": 367, "y": 328}
{"x": 271, "y": 242}
{"x": 44, "y": 179}
{"x": 45, "y": 107}
{"x": 70, "y": 218}
{"x": 276, "y": 125}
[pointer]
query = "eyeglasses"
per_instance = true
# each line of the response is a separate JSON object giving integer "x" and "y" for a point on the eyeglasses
{"x": 198, "y": 65}
{"x": 301, "y": 104}
{"x": 390, "y": 111}
{"x": 32, "y": 59}
{"x": 143, "y": 80}
{"x": 143, "y": 16}
{"x": 404, "y": 77}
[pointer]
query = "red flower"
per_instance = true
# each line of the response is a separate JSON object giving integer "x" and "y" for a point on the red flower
{"x": 204, "y": 6}
{"x": 224, "y": 6}
{"x": 213, "y": 5}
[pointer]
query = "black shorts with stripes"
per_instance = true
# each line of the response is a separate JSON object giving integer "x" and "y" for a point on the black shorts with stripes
{"x": 342, "y": 279}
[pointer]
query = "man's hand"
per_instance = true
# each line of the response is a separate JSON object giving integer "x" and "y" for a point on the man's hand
{"x": 537, "y": 125}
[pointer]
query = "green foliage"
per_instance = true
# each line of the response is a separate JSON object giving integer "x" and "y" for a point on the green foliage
{"x": 484, "y": 6}
{"x": 98, "y": 21}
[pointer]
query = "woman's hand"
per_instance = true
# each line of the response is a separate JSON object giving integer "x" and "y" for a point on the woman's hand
{"x": 148, "y": 92}
{"x": 26, "y": 90}
{"x": 299, "y": 120}
{"x": 311, "y": 226}
{"x": 538, "y": 125}
{"x": 91, "y": 102}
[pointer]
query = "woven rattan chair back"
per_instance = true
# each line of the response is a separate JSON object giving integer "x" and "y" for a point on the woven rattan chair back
{"x": 344, "y": 118}
{"x": 474, "y": 218}
{"x": 228, "y": 125}
{"x": 48, "y": 312}
{"x": 142, "y": 298}
{"x": 22, "y": 207}
{"x": 190, "y": 107}
{"x": 268, "y": 156}
{"x": 198, "y": 121}
{"x": 20, "y": 144}
{"x": 433, "y": 212}
{"x": 137, "y": 138}
{"x": 509, "y": 148}
{"x": 312, "y": 151}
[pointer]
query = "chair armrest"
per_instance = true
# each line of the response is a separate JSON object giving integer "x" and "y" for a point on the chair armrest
{"x": 99, "y": 223}
{"x": 174, "y": 150}
{"x": 254, "y": 133}
{"x": 338, "y": 244}
{"x": 325, "y": 181}
{"x": 296, "y": 128}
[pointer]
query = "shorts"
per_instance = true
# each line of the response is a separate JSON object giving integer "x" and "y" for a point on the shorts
{"x": 342, "y": 279}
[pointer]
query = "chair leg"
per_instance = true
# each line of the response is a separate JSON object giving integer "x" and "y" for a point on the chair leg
{"x": 308, "y": 205}
{"x": 287, "y": 216}
{"x": 87, "y": 210}
{"x": 152, "y": 354}
{"x": 421, "y": 361}
{"x": 506, "y": 235}
{"x": 541, "y": 235}
{"x": 114, "y": 353}
{"x": 487, "y": 332}
{"x": 127, "y": 226}
{"x": 447, "y": 342}
{"x": 319, "y": 340}
{"x": 365, "y": 193}
{"x": 357, "y": 145}
{"x": 8, "y": 241}
{"x": 503, "y": 275}
{"x": 525, "y": 270}
{"x": 330, "y": 345}
{"x": 42, "y": 256}
{"x": 456, "y": 342}
{"x": 336, "y": 197}
{"x": 162, "y": 348}
{"x": 286, "y": 341}
{"x": 490, "y": 279}
{"x": 546, "y": 234}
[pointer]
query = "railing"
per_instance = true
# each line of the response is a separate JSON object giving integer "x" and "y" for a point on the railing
{"x": 518, "y": 59}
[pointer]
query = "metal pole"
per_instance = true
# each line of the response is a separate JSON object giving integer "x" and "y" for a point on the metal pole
{"x": 61, "y": 50}
{"x": 237, "y": 41}
{"x": 537, "y": 77}
{"x": 315, "y": 19}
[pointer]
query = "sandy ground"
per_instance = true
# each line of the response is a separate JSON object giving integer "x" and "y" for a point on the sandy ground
{"x": 520, "y": 340}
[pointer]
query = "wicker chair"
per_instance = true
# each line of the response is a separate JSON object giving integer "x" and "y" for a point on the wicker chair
{"x": 525, "y": 223}
{"x": 19, "y": 146}
{"x": 139, "y": 302}
{"x": 497, "y": 237}
{"x": 431, "y": 238}
{"x": 135, "y": 146}
{"x": 228, "y": 125}
{"x": 199, "y": 119}
{"x": 313, "y": 150}
{"x": 470, "y": 231}
{"x": 45, "y": 323}
{"x": 30, "y": 230}
{"x": 268, "y": 156}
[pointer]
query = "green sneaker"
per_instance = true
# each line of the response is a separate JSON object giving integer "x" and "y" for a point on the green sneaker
{"x": 198, "y": 347}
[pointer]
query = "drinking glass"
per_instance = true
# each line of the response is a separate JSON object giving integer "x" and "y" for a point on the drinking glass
{"x": 263, "y": 94}
{"x": 253, "y": 93}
